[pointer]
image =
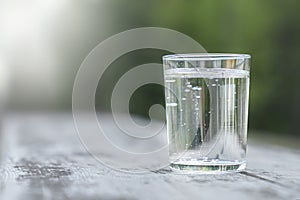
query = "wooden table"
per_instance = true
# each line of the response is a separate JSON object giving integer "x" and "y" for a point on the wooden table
{"x": 42, "y": 158}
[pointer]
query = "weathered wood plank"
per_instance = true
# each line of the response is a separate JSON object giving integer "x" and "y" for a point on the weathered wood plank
{"x": 44, "y": 159}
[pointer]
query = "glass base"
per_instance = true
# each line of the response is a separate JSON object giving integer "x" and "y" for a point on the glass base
{"x": 207, "y": 166}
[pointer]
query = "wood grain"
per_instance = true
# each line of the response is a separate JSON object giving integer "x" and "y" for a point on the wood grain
{"x": 42, "y": 158}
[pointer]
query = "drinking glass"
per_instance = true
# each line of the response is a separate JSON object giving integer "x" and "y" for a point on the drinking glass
{"x": 207, "y": 99}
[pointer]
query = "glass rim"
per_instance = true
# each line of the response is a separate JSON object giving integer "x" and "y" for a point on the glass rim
{"x": 205, "y": 56}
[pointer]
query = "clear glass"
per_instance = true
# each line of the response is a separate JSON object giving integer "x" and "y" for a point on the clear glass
{"x": 207, "y": 110}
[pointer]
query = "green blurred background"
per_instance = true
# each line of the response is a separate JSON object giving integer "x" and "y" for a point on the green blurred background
{"x": 44, "y": 54}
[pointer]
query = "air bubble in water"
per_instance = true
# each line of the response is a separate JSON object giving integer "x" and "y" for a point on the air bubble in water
{"x": 196, "y": 88}
{"x": 171, "y": 104}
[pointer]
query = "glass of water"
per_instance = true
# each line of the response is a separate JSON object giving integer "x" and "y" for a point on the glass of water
{"x": 207, "y": 110}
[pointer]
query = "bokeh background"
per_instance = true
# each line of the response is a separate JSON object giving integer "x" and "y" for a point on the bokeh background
{"x": 43, "y": 42}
